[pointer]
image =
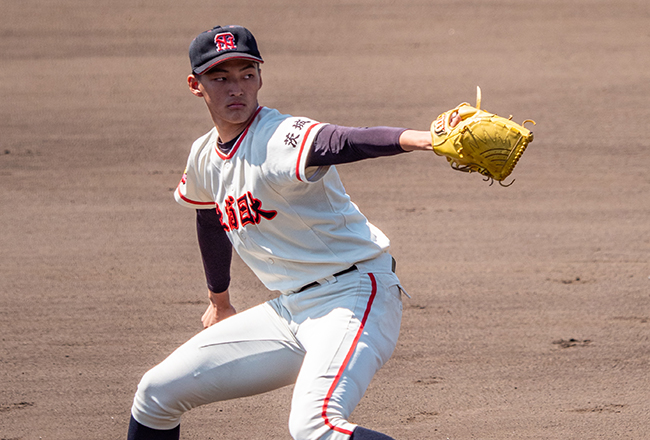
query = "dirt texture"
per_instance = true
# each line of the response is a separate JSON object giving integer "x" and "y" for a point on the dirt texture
{"x": 530, "y": 316}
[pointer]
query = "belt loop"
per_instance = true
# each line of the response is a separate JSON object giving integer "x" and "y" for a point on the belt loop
{"x": 399, "y": 286}
{"x": 326, "y": 280}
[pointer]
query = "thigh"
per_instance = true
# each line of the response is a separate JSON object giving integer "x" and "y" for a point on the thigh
{"x": 249, "y": 353}
{"x": 345, "y": 347}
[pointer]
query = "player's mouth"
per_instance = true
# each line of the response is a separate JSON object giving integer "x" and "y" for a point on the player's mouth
{"x": 236, "y": 105}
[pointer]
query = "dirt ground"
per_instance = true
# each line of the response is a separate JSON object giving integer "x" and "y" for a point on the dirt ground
{"x": 530, "y": 316}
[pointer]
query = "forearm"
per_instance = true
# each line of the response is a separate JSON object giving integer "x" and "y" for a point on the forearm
{"x": 216, "y": 250}
{"x": 411, "y": 140}
{"x": 221, "y": 300}
{"x": 336, "y": 144}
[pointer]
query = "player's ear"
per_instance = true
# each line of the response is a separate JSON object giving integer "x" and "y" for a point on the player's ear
{"x": 193, "y": 83}
{"x": 259, "y": 74}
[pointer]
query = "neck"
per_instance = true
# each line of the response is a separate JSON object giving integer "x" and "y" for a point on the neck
{"x": 229, "y": 131}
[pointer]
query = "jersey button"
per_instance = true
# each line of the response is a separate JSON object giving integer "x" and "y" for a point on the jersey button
{"x": 271, "y": 261}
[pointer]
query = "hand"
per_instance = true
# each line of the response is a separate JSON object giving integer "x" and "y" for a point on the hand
{"x": 421, "y": 140}
{"x": 213, "y": 315}
{"x": 455, "y": 119}
{"x": 218, "y": 309}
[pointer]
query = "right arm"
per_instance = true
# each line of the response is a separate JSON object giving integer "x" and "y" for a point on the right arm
{"x": 216, "y": 252}
{"x": 218, "y": 309}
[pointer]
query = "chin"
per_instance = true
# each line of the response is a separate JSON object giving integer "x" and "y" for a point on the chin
{"x": 240, "y": 115}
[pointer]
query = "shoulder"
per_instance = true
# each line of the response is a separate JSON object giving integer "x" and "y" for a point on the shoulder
{"x": 295, "y": 131}
{"x": 268, "y": 120}
{"x": 282, "y": 133}
{"x": 201, "y": 152}
{"x": 202, "y": 145}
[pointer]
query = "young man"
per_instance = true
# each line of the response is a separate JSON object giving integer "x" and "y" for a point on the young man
{"x": 265, "y": 183}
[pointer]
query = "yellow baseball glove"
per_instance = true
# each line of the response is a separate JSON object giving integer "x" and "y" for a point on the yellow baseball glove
{"x": 481, "y": 142}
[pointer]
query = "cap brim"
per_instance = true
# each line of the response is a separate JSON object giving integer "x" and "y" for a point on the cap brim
{"x": 227, "y": 57}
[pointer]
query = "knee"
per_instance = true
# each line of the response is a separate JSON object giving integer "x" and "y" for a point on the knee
{"x": 318, "y": 428}
{"x": 300, "y": 429}
{"x": 153, "y": 404}
{"x": 303, "y": 428}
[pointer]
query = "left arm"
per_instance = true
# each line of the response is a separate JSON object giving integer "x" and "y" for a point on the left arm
{"x": 337, "y": 145}
{"x": 412, "y": 140}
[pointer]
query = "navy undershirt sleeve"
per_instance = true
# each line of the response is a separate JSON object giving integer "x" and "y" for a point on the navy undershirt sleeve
{"x": 335, "y": 144}
{"x": 216, "y": 249}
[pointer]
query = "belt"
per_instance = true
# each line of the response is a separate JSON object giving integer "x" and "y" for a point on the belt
{"x": 316, "y": 283}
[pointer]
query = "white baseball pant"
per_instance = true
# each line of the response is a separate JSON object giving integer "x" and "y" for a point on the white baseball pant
{"x": 328, "y": 340}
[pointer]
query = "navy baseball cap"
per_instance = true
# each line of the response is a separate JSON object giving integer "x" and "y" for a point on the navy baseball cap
{"x": 220, "y": 44}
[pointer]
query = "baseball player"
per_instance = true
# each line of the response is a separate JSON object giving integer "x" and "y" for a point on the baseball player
{"x": 265, "y": 184}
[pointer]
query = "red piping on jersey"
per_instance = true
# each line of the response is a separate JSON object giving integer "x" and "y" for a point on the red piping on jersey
{"x": 302, "y": 146}
{"x": 239, "y": 141}
{"x": 178, "y": 190}
{"x": 347, "y": 359}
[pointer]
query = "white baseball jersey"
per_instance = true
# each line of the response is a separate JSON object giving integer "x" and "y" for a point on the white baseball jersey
{"x": 290, "y": 225}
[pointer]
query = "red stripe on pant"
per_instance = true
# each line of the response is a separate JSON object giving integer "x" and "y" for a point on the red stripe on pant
{"x": 347, "y": 358}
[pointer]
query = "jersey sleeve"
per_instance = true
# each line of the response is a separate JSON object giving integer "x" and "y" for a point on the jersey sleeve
{"x": 287, "y": 151}
{"x": 192, "y": 191}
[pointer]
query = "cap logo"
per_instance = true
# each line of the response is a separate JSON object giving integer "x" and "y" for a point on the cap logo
{"x": 225, "y": 41}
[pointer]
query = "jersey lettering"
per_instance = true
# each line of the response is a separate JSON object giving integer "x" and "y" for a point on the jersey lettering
{"x": 245, "y": 214}
{"x": 233, "y": 223}
{"x": 300, "y": 124}
{"x": 291, "y": 139}
{"x": 246, "y": 210}
{"x": 220, "y": 215}
{"x": 258, "y": 212}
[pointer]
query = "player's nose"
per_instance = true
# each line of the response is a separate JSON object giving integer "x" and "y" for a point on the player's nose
{"x": 236, "y": 89}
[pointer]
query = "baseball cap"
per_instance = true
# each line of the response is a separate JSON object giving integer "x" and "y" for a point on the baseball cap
{"x": 220, "y": 44}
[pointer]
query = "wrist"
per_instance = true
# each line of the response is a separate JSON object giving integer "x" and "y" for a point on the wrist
{"x": 411, "y": 140}
{"x": 220, "y": 300}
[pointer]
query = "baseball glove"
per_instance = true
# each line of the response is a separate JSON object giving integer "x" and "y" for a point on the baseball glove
{"x": 481, "y": 142}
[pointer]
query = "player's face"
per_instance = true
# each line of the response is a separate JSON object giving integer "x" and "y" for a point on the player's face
{"x": 230, "y": 92}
